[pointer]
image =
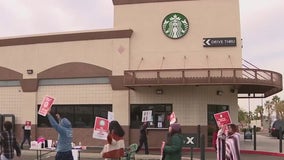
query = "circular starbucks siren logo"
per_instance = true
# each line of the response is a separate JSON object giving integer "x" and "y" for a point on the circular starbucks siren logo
{"x": 175, "y": 25}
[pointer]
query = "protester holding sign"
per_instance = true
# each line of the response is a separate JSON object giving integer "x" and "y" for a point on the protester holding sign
{"x": 221, "y": 142}
{"x": 214, "y": 138}
{"x": 65, "y": 137}
{"x": 114, "y": 148}
{"x": 222, "y": 120}
{"x": 233, "y": 143}
{"x": 173, "y": 147}
{"x": 45, "y": 105}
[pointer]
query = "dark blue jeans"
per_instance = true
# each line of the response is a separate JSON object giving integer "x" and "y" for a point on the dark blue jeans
{"x": 64, "y": 155}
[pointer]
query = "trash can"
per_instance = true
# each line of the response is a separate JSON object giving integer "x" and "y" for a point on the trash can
{"x": 248, "y": 133}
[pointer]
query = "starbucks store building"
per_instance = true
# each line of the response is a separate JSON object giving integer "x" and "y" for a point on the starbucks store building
{"x": 163, "y": 56}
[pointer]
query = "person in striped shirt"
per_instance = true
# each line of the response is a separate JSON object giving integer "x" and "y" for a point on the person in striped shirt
{"x": 233, "y": 143}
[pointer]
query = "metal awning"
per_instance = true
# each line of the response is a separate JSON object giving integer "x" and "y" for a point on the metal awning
{"x": 250, "y": 82}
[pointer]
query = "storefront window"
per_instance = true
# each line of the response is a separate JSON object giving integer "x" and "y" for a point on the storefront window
{"x": 159, "y": 117}
{"x": 81, "y": 116}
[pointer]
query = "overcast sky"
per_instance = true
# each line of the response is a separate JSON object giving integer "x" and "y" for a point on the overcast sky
{"x": 262, "y": 25}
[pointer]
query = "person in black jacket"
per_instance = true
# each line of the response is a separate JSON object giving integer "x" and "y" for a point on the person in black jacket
{"x": 27, "y": 136}
{"x": 143, "y": 138}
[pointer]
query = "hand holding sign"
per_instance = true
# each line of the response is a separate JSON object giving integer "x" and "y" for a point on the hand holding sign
{"x": 173, "y": 118}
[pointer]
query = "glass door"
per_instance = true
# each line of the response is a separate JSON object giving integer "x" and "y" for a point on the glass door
{"x": 211, "y": 123}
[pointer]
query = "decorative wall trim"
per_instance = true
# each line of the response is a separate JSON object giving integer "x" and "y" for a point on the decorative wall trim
{"x": 121, "y": 2}
{"x": 29, "y": 85}
{"x": 8, "y": 74}
{"x": 74, "y": 70}
{"x": 117, "y": 83}
{"x": 82, "y": 36}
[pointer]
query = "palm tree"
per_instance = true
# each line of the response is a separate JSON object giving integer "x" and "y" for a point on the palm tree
{"x": 269, "y": 108}
{"x": 243, "y": 117}
{"x": 275, "y": 102}
{"x": 280, "y": 108}
{"x": 259, "y": 111}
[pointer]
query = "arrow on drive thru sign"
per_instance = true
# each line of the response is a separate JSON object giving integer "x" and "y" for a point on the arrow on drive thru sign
{"x": 206, "y": 42}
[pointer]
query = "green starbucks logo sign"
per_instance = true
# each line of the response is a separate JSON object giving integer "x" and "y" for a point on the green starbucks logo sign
{"x": 175, "y": 25}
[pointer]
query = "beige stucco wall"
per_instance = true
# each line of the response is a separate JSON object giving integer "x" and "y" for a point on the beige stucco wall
{"x": 88, "y": 94}
{"x": 39, "y": 57}
{"x": 112, "y": 54}
{"x": 207, "y": 19}
{"x": 12, "y": 102}
{"x": 189, "y": 102}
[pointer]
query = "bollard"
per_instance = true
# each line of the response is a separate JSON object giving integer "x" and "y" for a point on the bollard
{"x": 191, "y": 153}
{"x": 254, "y": 137}
{"x": 198, "y": 135}
{"x": 202, "y": 147}
{"x": 280, "y": 139}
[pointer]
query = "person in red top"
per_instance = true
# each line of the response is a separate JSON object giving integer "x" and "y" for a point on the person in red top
{"x": 114, "y": 148}
{"x": 214, "y": 138}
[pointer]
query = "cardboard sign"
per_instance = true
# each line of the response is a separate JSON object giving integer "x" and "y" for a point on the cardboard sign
{"x": 173, "y": 118}
{"x": 223, "y": 118}
{"x": 101, "y": 128}
{"x": 45, "y": 105}
{"x": 147, "y": 116}
{"x": 110, "y": 116}
{"x": 28, "y": 125}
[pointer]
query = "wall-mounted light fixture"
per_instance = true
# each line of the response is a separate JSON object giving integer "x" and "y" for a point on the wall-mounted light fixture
{"x": 219, "y": 93}
{"x": 159, "y": 91}
{"x": 30, "y": 71}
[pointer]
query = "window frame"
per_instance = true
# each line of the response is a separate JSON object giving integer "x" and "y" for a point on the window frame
{"x": 163, "y": 110}
{"x": 77, "y": 119}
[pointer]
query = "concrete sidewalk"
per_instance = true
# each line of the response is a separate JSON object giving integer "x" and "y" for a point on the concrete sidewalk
{"x": 266, "y": 148}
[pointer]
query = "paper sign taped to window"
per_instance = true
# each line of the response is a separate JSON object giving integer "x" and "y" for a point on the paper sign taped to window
{"x": 147, "y": 116}
{"x": 110, "y": 116}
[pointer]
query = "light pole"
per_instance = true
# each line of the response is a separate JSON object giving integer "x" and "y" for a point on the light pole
{"x": 249, "y": 115}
